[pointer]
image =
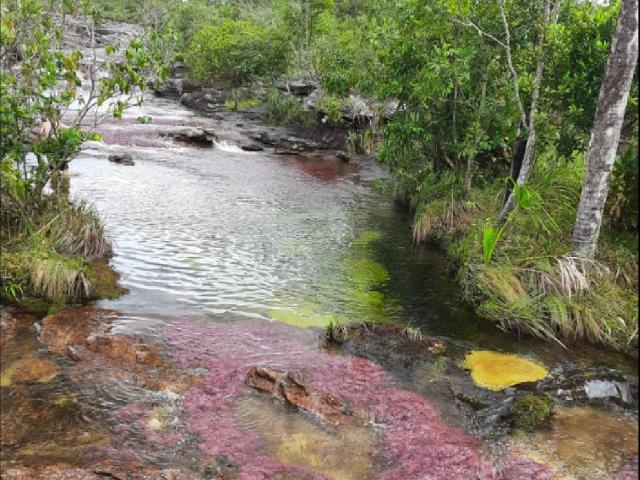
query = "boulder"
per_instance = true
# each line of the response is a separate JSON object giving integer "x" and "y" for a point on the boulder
{"x": 286, "y": 143}
{"x": 173, "y": 87}
{"x": 198, "y": 135}
{"x": 342, "y": 155}
{"x": 355, "y": 108}
{"x": 122, "y": 159}
{"x": 252, "y": 148}
{"x": 298, "y": 86}
{"x": 207, "y": 100}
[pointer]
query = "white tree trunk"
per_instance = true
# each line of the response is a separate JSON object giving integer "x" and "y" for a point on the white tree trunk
{"x": 603, "y": 145}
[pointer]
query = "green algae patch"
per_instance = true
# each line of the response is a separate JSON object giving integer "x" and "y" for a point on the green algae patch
{"x": 496, "y": 371}
{"x": 303, "y": 316}
{"x": 366, "y": 238}
{"x": 365, "y": 272}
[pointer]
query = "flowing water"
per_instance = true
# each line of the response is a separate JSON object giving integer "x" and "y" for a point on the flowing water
{"x": 219, "y": 236}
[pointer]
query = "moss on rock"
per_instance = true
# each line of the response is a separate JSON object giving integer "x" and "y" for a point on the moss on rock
{"x": 531, "y": 411}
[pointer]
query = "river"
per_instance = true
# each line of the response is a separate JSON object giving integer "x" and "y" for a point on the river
{"x": 208, "y": 239}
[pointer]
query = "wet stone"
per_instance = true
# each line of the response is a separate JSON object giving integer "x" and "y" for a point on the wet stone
{"x": 35, "y": 371}
{"x": 8, "y": 325}
{"x": 71, "y": 327}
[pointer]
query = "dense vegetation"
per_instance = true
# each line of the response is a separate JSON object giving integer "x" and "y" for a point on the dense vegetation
{"x": 486, "y": 92}
{"x": 54, "y": 250}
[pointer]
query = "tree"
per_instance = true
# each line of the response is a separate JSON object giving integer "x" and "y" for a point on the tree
{"x": 612, "y": 102}
{"x": 40, "y": 81}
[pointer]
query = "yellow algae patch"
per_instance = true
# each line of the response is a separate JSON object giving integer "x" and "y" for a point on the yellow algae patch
{"x": 295, "y": 438}
{"x": 495, "y": 371}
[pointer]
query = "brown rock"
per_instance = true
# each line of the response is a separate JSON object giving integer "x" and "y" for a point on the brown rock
{"x": 125, "y": 348}
{"x": 291, "y": 476}
{"x": 100, "y": 472}
{"x": 18, "y": 473}
{"x": 110, "y": 469}
{"x": 73, "y": 326}
{"x": 35, "y": 371}
{"x": 293, "y": 387}
{"x": 7, "y": 327}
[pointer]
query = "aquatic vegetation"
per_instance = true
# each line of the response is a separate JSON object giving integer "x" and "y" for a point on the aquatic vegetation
{"x": 337, "y": 332}
{"x": 414, "y": 440}
{"x": 495, "y": 371}
{"x": 366, "y": 238}
{"x": 531, "y": 411}
{"x": 366, "y": 273}
{"x": 303, "y": 316}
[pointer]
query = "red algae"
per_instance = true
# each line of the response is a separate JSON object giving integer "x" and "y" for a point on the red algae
{"x": 415, "y": 442}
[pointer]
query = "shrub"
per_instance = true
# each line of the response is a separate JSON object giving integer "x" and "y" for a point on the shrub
{"x": 282, "y": 108}
{"x": 237, "y": 52}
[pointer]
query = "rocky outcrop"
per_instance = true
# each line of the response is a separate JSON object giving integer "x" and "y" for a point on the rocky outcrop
{"x": 122, "y": 159}
{"x": 298, "y": 86}
{"x": 208, "y": 101}
{"x": 176, "y": 84}
{"x": 293, "y": 387}
{"x": 355, "y": 108}
{"x": 286, "y": 144}
{"x": 195, "y": 135}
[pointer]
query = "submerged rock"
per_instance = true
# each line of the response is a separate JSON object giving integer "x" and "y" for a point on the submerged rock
{"x": 122, "y": 159}
{"x": 72, "y": 327}
{"x": 35, "y": 371}
{"x": 8, "y": 326}
{"x": 197, "y": 135}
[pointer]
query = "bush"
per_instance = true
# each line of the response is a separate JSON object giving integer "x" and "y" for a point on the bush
{"x": 282, "y": 108}
{"x": 237, "y": 52}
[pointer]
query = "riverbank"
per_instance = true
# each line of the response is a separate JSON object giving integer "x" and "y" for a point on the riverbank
{"x": 61, "y": 260}
{"x": 221, "y": 247}
{"x": 522, "y": 279}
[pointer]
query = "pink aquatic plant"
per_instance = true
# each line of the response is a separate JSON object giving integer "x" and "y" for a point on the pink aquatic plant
{"x": 415, "y": 442}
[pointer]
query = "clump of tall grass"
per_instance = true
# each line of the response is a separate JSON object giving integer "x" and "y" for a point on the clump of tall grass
{"x": 50, "y": 260}
{"x": 523, "y": 277}
{"x": 282, "y": 108}
{"x": 77, "y": 230}
{"x": 52, "y": 279}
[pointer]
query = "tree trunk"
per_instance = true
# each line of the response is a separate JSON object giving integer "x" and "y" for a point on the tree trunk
{"x": 468, "y": 176}
{"x": 603, "y": 145}
{"x": 550, "y": 17}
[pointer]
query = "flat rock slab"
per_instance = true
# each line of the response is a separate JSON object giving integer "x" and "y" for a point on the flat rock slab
{"x": 72, "y": 327}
